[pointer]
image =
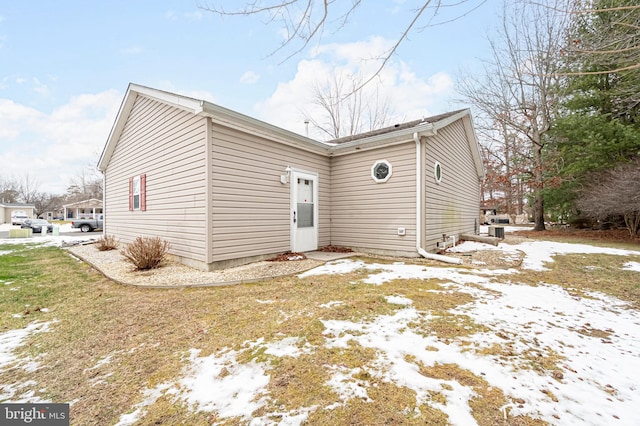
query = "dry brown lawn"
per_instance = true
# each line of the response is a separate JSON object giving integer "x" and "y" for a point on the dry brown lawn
{"x": 110, "y": 342}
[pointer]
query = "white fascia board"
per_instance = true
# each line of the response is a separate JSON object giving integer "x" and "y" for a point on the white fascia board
{"x": 384, "y": 139}
{"x": 474, "y": 145}
{"x": 133, "y": 91}
{"x": 472, "y": 139}
{"x": 447, "y": 121}
{"x": 182, "y": 102}
{"x": 235, "y": 120}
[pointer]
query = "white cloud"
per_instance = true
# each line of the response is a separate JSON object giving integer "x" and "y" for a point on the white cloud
{"x": 55, "y": 147}
{"x": 40, "y": 88}
{"x": 14, "y": 118}
{"x": 249, "y": 77}
{"x": 409, "y": 95}
{"x": 364, "y": 54}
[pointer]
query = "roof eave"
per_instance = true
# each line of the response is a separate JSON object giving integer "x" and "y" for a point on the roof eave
{"x": 474, "y": 145}
{"x": 386, "y": 139}
{"x": 232, "y": 119}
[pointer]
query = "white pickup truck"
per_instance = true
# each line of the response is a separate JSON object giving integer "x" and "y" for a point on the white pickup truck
{"x": 88, "y": 225}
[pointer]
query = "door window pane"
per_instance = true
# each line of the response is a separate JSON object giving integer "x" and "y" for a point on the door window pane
{"x": 305, "y": 215}
{"x": 305, "y": 203}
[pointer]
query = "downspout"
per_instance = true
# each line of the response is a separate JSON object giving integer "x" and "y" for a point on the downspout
{"x": 104, "y": 203}
{"x": 422, "y": 252}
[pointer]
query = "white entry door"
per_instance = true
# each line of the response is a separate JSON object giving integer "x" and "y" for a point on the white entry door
{"x": 304, "y": 211}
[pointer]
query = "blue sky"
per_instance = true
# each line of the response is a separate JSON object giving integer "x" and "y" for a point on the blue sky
{"x": 65, "y": 65}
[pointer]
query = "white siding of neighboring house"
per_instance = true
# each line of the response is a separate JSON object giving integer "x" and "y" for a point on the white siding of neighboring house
{"x": 250, "y": 206}
{"x": 168, "y": 145}
{"x": 365, "y": 214}
{"x": 451, "y": 207}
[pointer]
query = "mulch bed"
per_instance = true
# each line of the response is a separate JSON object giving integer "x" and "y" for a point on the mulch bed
{"x": 287, "y": 256}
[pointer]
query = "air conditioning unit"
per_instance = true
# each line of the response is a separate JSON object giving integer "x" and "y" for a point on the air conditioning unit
{"x": 496, "y": 231}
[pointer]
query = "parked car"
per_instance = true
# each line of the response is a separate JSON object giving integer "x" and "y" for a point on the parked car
{"x": 36, "y": 225}
{"x": 88, "y": 225}
{"x": 18, "y": 217}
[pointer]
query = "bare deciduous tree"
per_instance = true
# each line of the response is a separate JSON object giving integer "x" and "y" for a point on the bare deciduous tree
{"x": 615, "y": 193}
{"x": 27, "y": 188}
{"x": 518, "y": 88}
{"x": 45, "y": 202}
{"x": 8, "y": 190}
{"x": 306, "y": 21}
{"x": 88, "y": 184}
{"x": 344, "y": 115}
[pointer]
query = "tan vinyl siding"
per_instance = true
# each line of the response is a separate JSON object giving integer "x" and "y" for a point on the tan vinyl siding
{"x": 168, "y": 145}
{"x": 250, "y": 207}
{"x": 366, "y": 214}
{"x": 451, "y": 207}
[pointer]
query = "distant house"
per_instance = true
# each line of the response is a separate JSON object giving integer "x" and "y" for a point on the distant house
{"x": 225, "y": 189}
{"x": 86, "y": 209}
{"x": 6, "y": 209}
{"x": 56, "y": 214}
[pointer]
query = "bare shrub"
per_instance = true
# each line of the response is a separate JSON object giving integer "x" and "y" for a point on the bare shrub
{"x": 146, "y": 252}
{"x": 107, "y": 242}
{"x": 615, "y": 193}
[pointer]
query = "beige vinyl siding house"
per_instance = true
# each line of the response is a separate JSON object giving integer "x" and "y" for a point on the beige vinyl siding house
{"x": 226, "y": 189}
{"x": 168, "y": 146}
{"x": 6, "y": 209}
{"x": 365, "y": 214}
{"x": 450, "y": 204}
{"x": 250, "y": 206}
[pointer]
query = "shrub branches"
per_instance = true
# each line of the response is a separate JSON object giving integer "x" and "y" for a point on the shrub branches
{"x": 146, "y": 252}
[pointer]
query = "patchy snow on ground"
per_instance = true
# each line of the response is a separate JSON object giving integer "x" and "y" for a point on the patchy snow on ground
{"x": 632, "y": 266}
{"x": 599, "y": 374}
{"x": 537, "y": 253}
{"x": 331, "y": 304}
{"x": 9, "y": 342}
{"x": 49, "y": 239}
{"x": 484, "y": 229}
{"x": 13, "y": 339}
{"x": 594, "y": 339}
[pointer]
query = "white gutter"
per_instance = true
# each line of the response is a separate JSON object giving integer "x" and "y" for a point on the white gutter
{"x": 422, "y": 252}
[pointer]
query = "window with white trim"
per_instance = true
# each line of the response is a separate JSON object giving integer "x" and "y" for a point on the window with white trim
{"x": 136, "y": 193}
{"x": 381, "y": 171}
{"x": 437, "y": 172}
